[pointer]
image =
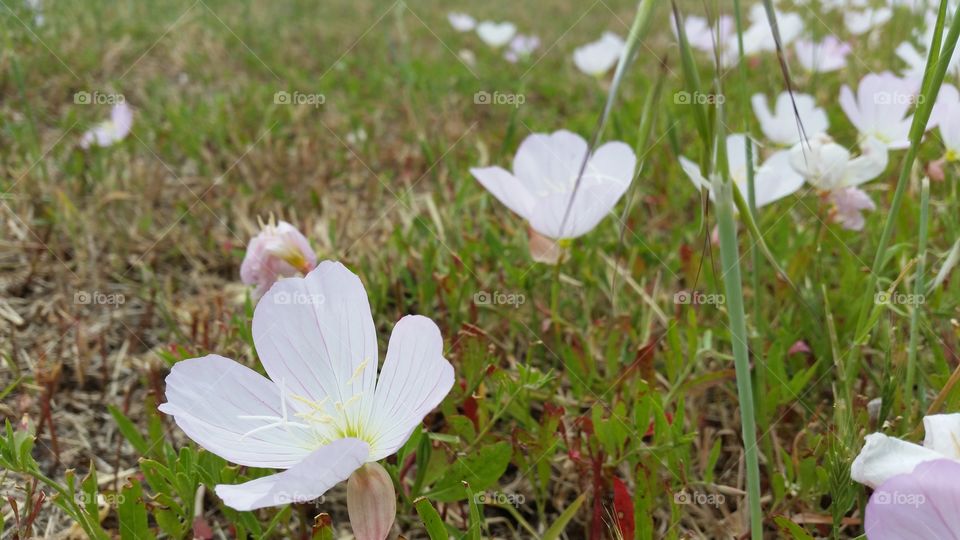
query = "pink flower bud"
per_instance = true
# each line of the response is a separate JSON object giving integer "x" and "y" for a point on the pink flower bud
{"x": 278, "y": 251}
{"x": 371, "y": 502}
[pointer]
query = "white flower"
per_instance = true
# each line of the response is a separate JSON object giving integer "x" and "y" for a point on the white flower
{"x": 781, "y": 126}
{"x": 828, "y": 167}
{"x": 598, "y": 57}
{"x": 110, "y": 131}
{"x": 861, "y": 22}
{"x": 461, "y": 22}
{"x": 702, "y": 36}
{"x": 545, "y": 169}
{"x": 758, "y": 37}
{"x": 828, "y": 55}
{"x": 946, "y": 115}
{"x": 880, "y": 108}
{"x": 884, "y": 457}
{"x": 773, "y": 180}
{"x": 496, "y": 34}
{"x": 323, "y": 413}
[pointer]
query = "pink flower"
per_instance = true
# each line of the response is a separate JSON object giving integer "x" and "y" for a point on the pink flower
{"x": 920, "y": 505}
{"x": 277, "y": 251}
{"x": 110, "y": 131}
{"x": 828, "y": 55}
{"x": 324, "y": 415}
{"x": 848, "y": 205}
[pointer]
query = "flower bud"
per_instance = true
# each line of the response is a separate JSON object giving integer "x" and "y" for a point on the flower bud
{"x": 371, "y": 502}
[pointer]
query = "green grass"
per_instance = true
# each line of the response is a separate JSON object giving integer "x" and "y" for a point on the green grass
{"x": 546, "y": 408}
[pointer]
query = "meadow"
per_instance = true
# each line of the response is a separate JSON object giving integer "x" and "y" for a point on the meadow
{"x": 726, "y": 347}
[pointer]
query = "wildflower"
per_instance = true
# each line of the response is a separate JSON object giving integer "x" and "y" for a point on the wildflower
{"x": 861, "y": 22}
{"x": 545, "y": 170}
{"x": 829, "y": 168}
{"x": 880, "y": 108}
{"x": 758, "y": 37}
{"x": 884, "y": 457}
{"x": 112, "y": 131}
{"x": 703, "y": 36}
{"x": 496, "y": 34}
{"x": 461, "y": 22}
{"x": 780, "y": 126}
{"x": 946, "y": 116}
{"x": 596, "y": 58}
{"x": 323, "y": 415}
{"x": 279, "y": 250}
{"x": 521, "y": 47}
{"x": 828, "y": 55}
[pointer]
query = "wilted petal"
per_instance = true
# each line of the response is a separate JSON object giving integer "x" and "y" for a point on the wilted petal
{"x": 211, "y": 399}
{"x": 414, "y": 380}
{"x": 305, "y": 481}
{"x": 277, "y": 251}
{"x": 849, "y": 204}
{"x": 921, "y": 505}
{"x": 884, "y": 457}
{"x": 315, "y": 335}
{"x": 869, "y": 165}
{"x": 371, "y": 502}
{"x": 542, "y": 249}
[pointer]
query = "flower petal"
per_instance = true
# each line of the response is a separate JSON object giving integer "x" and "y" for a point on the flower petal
{"x": 884, "y": 457}
{"x": 776, "y": 179}
{"x": 942, "y": 434}
{"x": 208, "y": 397}
{"x": 415, "y": 378}
{"x": 315, "y": 335}
{"x": 506, "y": 188}
{"x": 921, "y": 505}
{"x": 319, "y": 471}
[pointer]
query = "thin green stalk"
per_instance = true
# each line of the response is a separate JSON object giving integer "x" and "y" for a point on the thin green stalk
{"x": 932, "y": 79}
{"x": 918, "y": 289}
{"x": 730, "y": 263}
{"x": 723, "y": 189}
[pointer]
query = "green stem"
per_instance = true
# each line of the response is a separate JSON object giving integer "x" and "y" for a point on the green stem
{"x": 918, "y": 290}
{"x": 730, "y": 263}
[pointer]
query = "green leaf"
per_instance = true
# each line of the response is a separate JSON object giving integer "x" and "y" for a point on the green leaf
{"x": 431, "y": 519}
{"x": 796, "y": 531}
{"x": 555, "y": 530}
{"x": 133, "y": 513}
{"x": 481, "y": 469}
{"x": 129, "y": 431}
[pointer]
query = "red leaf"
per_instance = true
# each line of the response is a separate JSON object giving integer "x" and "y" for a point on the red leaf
{"x": 623, "y": 506}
